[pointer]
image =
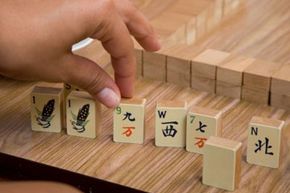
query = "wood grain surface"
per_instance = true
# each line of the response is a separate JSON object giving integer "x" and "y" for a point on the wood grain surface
{"x": 144, "y": 167}
{"x": 257, "y": 29}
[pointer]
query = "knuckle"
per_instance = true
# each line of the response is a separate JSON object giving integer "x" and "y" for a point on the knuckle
{"x": 131, "y": 10}
{"x": 94, "y": 84}
{"x": 106, "y": 6}
{"x": 106, "y": 21}
{"x": 11, "y": 71}
{"x": 97, "y": 11}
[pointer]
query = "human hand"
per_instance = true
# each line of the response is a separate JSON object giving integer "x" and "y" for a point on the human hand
{"x": 36, "y": 39}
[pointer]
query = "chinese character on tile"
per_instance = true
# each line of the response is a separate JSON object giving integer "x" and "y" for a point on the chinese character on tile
{"x": 128, "y": 131}
{"x": 128, "y": 116}
{"x": 266, "y": 144}
{"x": 200, "y": 141}
{"x": 201, "y": 127}
{"x": 169, "y": 130}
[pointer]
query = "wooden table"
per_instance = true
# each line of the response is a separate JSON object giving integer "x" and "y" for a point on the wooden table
{"x": 258, "y": 28}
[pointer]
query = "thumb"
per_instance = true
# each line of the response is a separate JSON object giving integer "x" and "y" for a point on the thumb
{"x": 87, "y": 75}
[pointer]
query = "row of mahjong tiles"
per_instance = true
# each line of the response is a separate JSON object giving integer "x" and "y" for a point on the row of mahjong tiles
{"x": 199, "y": 130}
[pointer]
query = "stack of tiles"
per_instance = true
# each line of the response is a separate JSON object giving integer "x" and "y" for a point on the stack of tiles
{"x": 179, "y": 64}
{"x": 230, "y": 76}
{"x": 280, "y": 88}
{"x": 139, "y": 60}
{"x": 154, "y": 66}
{"x": 171, "y": 65}
{"x": 197, "y": 13}
{"x": 257, "y": 81}
{"x": 219, "y": 73}
{"x": 204, "y": 69}
{"x": 178, "y": 70}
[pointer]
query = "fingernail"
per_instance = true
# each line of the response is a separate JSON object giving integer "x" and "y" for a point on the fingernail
{"x": 109, "y": 98}
{"x": 158, "y": 43}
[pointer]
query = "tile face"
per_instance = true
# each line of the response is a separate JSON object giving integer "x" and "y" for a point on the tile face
{"x": 264, "y": 142}
{"x": 201, "y": 124}
{"x": 67, "y": 89}
{"x": 129, "y": 121}
{"x": 83, "y": 115}
{"x": 170, "y": 123}
{"x": 222, "y": 163}
{"x": 46, "y": 109}
{"x": 59, "y": 86}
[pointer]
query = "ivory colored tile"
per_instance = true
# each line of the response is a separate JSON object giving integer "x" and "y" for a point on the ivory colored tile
{"x": 201, "y": 124}
{"x": 46, "y": 109}
{"x": 62, "y": 97}
{"x": 222, "y": 163}
{"x": 129, "y": 119}
{"x": 50, "y": 84}
{"x": 83, "y": 115}
{"x": 154, "y": 66}
{"x": 68, "y": 88}
{"x": 170, "y": 123}
{"x": 264, "y": 142}
{"x": 178, "y": 71}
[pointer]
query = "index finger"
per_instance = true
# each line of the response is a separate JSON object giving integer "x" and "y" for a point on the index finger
{"x": 139, "y": 26}
{"x": 116, "y": 39}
